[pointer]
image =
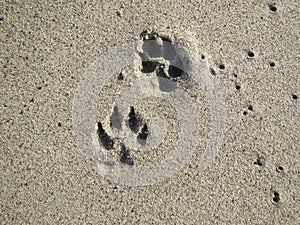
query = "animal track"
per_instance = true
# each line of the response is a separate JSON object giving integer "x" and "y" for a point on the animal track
{"x": 161, "y": 59}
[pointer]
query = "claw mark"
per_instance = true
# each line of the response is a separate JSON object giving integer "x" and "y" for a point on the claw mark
{"x": 125, "y": 156}
{"x": 104, "y": 138}
{"x": 134, "y": 120}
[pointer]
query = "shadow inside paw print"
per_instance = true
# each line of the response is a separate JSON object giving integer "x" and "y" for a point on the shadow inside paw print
{"x": 134, "y": 121}
{"x": 104, "y": 138}
{"x": 143, "y": 135}
{"x": 125, "y": 156}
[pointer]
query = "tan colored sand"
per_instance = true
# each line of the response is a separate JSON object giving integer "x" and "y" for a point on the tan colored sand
{"x": 45, "y": 50}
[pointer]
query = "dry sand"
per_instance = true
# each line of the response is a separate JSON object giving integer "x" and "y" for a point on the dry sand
{"x": 252, "y": 50}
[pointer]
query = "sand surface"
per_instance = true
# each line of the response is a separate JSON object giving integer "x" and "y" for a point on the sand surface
{"x": 232, "y": 135}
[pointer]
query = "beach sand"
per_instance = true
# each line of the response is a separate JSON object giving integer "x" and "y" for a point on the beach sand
{"x": 251, "y": 51}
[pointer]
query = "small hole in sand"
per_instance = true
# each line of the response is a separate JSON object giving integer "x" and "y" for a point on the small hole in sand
{"x": 250, "y": 54}
{"x": 272, "y": 64}
{"x": 273, "y": 8}
{"x": 279, "y": 168}
{"x": 212, "y": 71}
{"x": 260, "y": 161}
{"x": 120, "y": 76}
{"x": 222, "y": 66}
{"x": 237, "y": 87}
{"x": 276, "y": 197}
{"x": 295, "y": 97}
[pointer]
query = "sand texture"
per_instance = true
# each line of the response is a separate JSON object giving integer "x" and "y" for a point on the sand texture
{"x": 149, "y": 112}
